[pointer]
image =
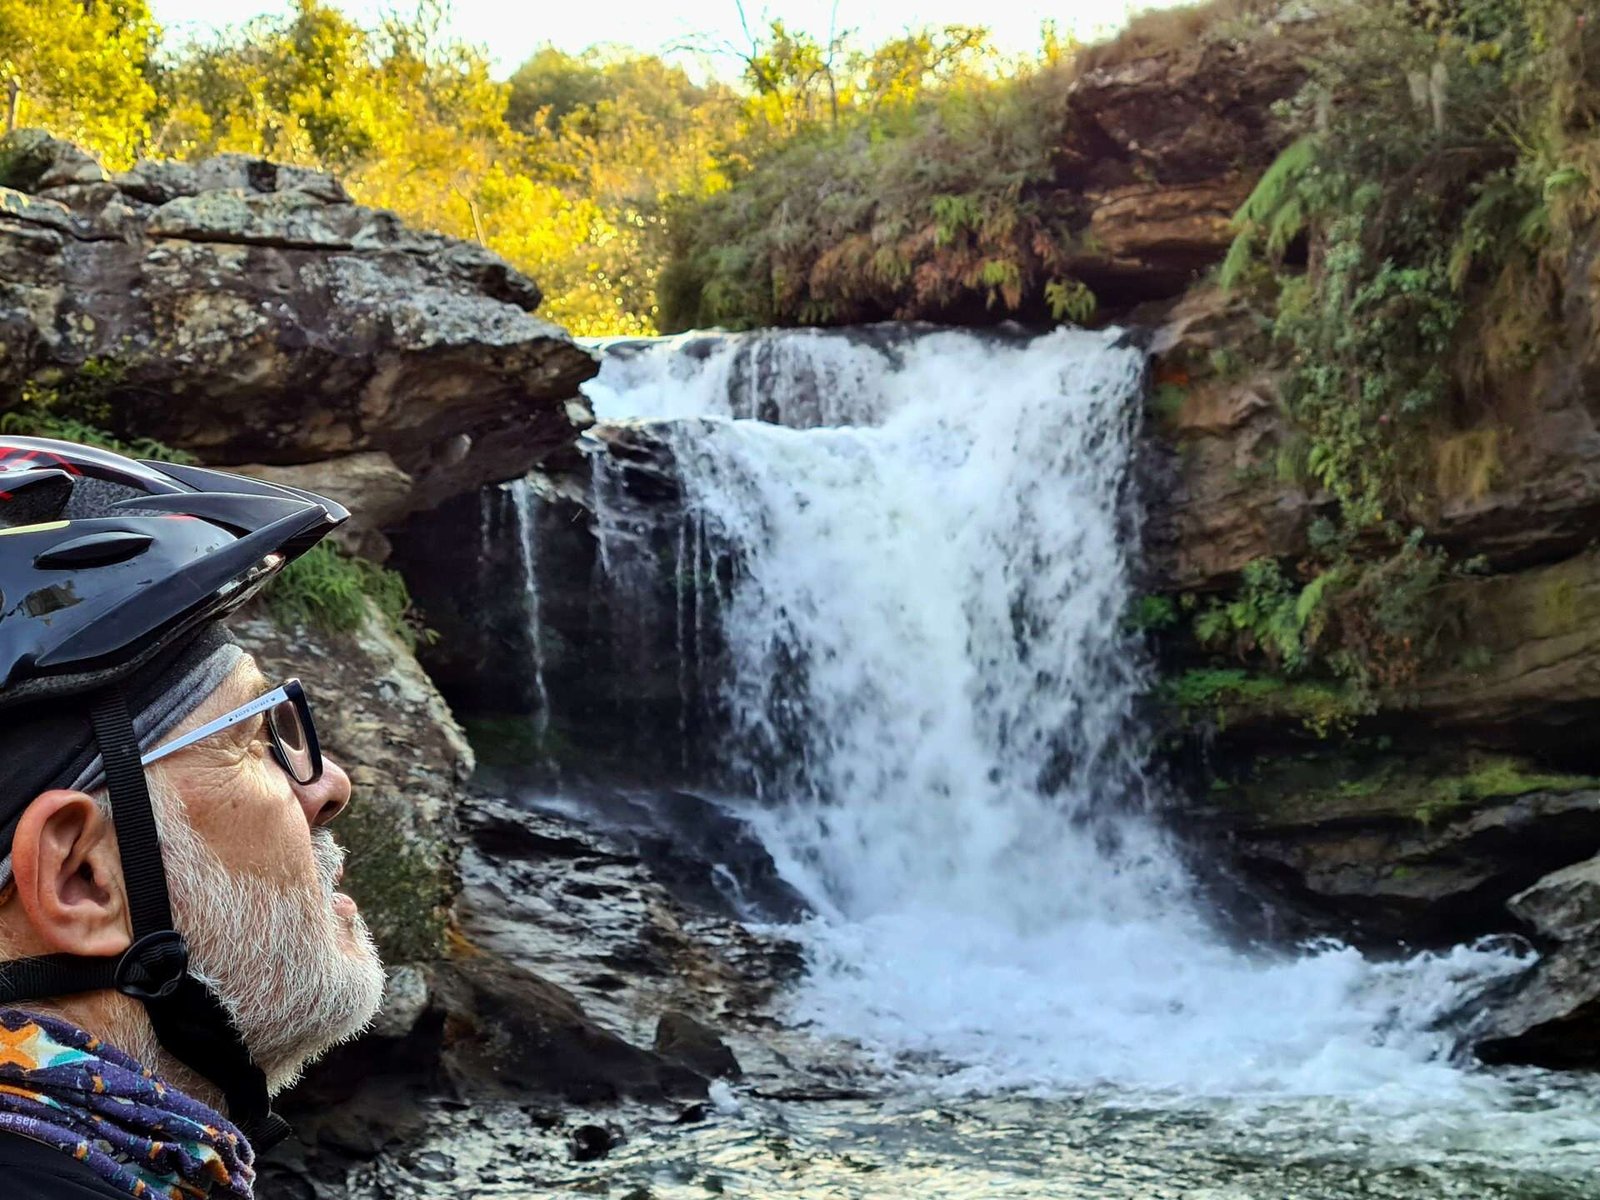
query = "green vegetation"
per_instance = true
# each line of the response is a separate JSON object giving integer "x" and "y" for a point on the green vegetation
{"x": 923, "y": 179}
{"x": 1366, "y": 781}
{"x": 516, "y": 740}
{"x": 921, "y": 200}
{"x": 1448, "y": 149}
{"x": 1152, "y": 613}
{"x": 1230, "y": 695}
{"x": 1369, "y": 625}
{"x": 78, "y": 408}
{"x": 81, "y": 70}
{"x": 328, "y": 589}
{"x": 1406, "y": 248}
{"x": 402, "y": 884}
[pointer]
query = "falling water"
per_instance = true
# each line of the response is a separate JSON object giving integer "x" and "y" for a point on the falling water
{"x": 930, "y": 702}
{"x": 523, "y": 508}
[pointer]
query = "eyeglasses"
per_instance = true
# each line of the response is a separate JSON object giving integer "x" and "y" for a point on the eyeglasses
{"x": 294, "y": 736}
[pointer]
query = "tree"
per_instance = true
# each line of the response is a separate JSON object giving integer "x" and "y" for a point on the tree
{"x": 82, "y": 70}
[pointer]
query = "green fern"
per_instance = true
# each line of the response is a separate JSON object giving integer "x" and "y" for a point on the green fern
{"x": 1070, "y": 300}
{"x": 1274, "y": 213}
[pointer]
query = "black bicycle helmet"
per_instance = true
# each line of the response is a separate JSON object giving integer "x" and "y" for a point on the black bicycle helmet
{"x": 110, "y": 567}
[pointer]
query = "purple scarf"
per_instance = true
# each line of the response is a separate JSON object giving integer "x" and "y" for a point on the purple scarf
{"x": 68, "y": 1089}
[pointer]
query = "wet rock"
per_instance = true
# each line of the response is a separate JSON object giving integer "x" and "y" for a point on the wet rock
{"x": 683, "y": 1039}
{"x": 1564, "y": 905}
{"x": 1419, "y": 848}
{"x": 1553, "y": 1019}
{"x": 620, "y": 942}
{"x": 587, "y": 1143}
{"x": 629, "y": 655}
{"x": 432, "y": 1165}
{"x": 510, "y": 1034}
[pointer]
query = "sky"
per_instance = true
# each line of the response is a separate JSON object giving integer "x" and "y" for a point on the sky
{"x": 511, "y": 30}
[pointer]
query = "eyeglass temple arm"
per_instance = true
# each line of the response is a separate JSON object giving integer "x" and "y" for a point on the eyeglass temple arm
{"x": 243, "y": 713}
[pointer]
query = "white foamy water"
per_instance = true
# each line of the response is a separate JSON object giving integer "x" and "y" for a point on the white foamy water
{"x": 931, "y": 703}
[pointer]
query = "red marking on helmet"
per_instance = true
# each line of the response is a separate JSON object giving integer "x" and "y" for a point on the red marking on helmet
{"x": 16, "y": 453}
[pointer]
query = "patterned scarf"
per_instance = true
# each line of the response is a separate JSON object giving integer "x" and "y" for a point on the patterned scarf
{"x": 67, "y": 1089}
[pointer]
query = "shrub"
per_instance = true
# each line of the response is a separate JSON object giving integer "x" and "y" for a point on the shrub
{"x": 944, "y": 204}
{"x": 330, "y": 590}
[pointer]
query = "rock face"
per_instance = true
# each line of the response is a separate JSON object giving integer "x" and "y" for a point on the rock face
{"x": 1554, "y": 1019}
{"x": 1161, "y": 150}
{"x": 1336, "y": 830}
{"x": 620, "y": 672}
{"x": 253, "y": 314}
{"x": 1420, "y": 848}
{"x": 1215, "y": 497}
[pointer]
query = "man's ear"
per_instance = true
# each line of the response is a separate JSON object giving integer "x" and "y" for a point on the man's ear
{"x": 68, "y": 875}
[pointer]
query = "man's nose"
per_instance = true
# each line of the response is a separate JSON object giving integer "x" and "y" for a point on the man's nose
{"x": 325, "y": 799}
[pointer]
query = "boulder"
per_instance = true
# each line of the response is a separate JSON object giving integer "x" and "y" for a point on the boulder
{"x": 680, "y": 1038}
{"x": 513, "y": 1035}
{"x": 1553, "y": 1019}
{"x": 251, "y": 313}
{"x": 377, "y": 493}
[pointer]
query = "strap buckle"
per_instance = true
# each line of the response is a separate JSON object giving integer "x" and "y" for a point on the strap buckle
{"x": 154, "y": 966}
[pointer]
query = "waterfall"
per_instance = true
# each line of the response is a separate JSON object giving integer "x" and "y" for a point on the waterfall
{"x": 928, "y": 714}
{"x": 522, "y": 506}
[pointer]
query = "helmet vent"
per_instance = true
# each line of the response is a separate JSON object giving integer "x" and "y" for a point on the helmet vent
{"x": 94, "y": 550}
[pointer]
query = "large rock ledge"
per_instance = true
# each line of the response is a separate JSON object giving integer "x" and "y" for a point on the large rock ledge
{"x": 251, "y": 313}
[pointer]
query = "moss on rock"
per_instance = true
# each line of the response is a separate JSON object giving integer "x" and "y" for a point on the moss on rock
{"x": 1361, "y": 782}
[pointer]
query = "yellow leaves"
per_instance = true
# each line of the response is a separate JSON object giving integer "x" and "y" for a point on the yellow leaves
{"x": 81, "y": 68}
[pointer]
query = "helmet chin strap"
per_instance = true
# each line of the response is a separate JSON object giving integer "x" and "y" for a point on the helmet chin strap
{"x": 189, "y": 1020}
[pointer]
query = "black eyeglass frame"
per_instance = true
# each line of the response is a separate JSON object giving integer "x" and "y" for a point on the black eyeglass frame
{"x": 289, "y": 692}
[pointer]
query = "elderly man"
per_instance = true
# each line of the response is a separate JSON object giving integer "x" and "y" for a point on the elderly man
{"x": 174, "y": 947}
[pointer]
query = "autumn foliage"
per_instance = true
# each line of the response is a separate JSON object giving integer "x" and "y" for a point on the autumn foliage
{"x": 823, "y": 181}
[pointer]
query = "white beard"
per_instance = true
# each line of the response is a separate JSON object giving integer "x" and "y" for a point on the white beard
{"x": 295, "y": 977}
